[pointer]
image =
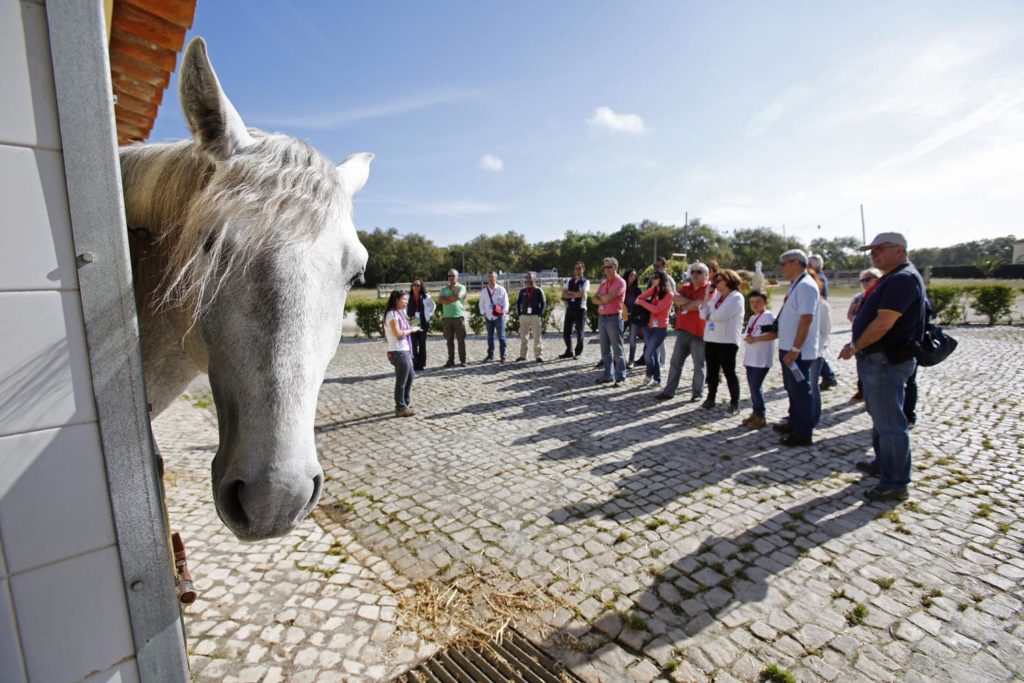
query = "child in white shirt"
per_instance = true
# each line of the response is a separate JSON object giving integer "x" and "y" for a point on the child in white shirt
{"x": 759, "y": 353}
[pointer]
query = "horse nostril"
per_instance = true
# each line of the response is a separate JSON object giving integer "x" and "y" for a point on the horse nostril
{"x": 231, "y": 507}
{"x": 318, "y": 485}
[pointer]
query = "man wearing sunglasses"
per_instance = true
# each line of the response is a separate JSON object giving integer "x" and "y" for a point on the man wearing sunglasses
{"x": 610, "y": 296}
{"x": 453, "y": 317}
{"x": 888, "y": 326}
{"x": 575, "y": 294}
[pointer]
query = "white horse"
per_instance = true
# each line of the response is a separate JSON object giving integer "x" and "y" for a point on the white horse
{"x": 244, "y": 251}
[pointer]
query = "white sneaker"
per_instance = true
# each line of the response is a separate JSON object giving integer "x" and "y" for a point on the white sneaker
{"x": 655, "y": 385}
{"x": 647, "y": 380}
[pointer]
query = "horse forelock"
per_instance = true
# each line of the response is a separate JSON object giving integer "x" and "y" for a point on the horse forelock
{"x": 228, "y": 214}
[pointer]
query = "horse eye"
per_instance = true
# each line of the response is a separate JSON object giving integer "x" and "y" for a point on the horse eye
{"x": 357, "y": 280}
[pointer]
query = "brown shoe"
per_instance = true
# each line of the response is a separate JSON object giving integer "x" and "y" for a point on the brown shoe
{"x": 756, "y": 422}
{"x": 404, "y": 411}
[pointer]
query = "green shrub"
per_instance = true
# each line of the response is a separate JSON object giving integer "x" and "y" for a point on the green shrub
{"x": 592, "y": 315}
{"x": 946, "y": 300}
{"x": 370, "y": 316}
{"x": 512, "y": 319}
{"x": 477, "y": 321}
{"x": 553, "y": 298}
{"x": 993, "y": 301}
{"x": 435, "y": 324}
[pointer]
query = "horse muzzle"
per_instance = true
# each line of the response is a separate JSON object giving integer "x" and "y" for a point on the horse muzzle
{"x": 259, "y": 507}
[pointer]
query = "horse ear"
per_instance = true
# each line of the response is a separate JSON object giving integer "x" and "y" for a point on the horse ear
{"x": 354, "y": 171}
{"x": 216, "y": 125}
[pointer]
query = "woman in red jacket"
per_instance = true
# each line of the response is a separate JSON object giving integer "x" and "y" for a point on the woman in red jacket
{"x": 658, "y": 300}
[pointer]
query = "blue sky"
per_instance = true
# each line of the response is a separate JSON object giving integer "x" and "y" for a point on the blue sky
{"x": 541, "y": 117}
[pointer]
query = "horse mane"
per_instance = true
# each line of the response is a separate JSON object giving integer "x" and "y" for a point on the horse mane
{"x": 213, "y": 217}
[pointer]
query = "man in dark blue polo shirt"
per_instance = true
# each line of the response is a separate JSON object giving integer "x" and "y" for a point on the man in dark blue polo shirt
{"x": 890, "y": 321}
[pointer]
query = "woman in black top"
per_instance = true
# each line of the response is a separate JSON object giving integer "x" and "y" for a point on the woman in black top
{"x": 632, "y": 292}
{"x": 419, "y": 310}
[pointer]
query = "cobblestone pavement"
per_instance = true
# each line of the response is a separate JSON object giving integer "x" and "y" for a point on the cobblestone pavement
{"x": 663, "y": 542}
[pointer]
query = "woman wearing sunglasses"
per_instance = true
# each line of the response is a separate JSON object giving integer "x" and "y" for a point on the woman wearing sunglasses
{"x": 868, "y": 279}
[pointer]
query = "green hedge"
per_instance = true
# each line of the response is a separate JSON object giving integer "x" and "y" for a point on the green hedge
{"x": 370, "y": 316}
{"x": 994, "y": 302}
{"x": 1007, "y": 271}
{"x": 951, "y": 302}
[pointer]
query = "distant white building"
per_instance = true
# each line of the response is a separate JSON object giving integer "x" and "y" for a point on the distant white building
{"x": 1018, "y": 251}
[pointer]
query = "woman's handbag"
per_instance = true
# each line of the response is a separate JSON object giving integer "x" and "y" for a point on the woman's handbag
{"x": 640, "y": 315}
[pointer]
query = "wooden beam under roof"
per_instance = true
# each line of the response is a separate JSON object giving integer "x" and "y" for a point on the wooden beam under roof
{"x": 145, "y": 39}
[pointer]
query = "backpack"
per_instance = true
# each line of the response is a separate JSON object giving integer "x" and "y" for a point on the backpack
{"x": 936, "y": 345}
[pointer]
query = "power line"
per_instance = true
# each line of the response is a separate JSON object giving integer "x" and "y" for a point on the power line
{"x": 820, "y": 223}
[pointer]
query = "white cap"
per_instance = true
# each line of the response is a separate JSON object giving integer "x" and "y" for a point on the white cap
{"x": 883, "y": 239}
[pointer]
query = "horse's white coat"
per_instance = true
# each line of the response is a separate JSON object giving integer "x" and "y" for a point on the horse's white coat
{"x": 247, "y": 279}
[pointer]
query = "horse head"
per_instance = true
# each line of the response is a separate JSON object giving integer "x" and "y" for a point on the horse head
{"x": 266, "y": 254}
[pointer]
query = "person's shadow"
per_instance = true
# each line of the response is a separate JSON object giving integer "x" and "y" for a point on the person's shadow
{"x": 725, "y": 573}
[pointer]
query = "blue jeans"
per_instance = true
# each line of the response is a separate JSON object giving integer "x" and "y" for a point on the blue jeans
{"x": 827, "y": 372}
{"x": 496, "y": 326}
{"x": 634, "y": 329}
{"x": 404, "y": 375}
{"x": 755, "y": 380}
{"x": 655, "y": 337}
{"x": 686, "y": 345}
{"x": 574, "y": 316}
{"x": 884, "y": 385}
{"x": 609, "y": 327}
{"x": 804, "y": 397}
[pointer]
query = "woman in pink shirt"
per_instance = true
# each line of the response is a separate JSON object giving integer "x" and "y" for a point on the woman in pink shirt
{"x": 658, "y": 300}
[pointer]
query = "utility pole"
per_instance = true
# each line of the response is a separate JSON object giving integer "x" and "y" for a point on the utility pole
{"x": 784, "y": 233}
{"x": 863, "y": 232}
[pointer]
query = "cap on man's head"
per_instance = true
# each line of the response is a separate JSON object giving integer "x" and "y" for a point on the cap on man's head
{"x": 886, "y": 239}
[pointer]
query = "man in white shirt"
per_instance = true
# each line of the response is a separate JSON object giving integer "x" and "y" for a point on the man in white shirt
{"x": 798, "y": 350}
{"x": 494, "y": 307}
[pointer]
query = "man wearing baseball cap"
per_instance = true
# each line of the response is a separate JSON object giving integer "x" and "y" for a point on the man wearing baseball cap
{"x": 888, "y": 325}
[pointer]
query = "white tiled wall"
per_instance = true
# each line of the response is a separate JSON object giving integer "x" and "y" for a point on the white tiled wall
{"x": 63, "y": 611}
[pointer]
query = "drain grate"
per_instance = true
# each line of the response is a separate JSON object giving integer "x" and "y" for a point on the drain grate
{"x": 513, "y": 659}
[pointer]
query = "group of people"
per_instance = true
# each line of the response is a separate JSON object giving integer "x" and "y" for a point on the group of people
{"x": 888, "y": 317}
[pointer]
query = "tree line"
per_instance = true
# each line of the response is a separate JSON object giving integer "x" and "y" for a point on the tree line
{"x": 399, "y": 258}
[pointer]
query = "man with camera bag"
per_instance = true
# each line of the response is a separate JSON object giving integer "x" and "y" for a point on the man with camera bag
{"x": 886, "y": 335}
{"x": 494, "y": 307}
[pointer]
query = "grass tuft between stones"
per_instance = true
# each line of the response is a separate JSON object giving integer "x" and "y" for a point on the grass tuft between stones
{"x": 858, "y": 615}
{"x": 773, "y": 673}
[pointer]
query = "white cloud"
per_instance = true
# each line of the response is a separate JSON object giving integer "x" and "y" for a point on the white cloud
{"x": 771, "y": 113}
{"x": 452, "y": 208}
{"x": 606, "y": 117}
{"x": 333, "y": 119}
{"x": 983, "y": 115}
{"x": 489, "y": 162}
